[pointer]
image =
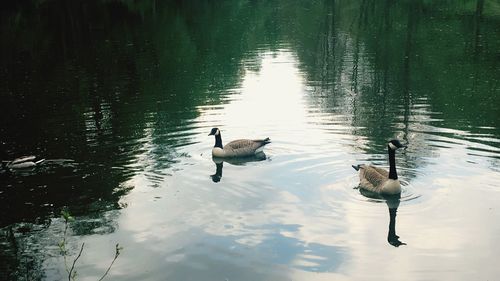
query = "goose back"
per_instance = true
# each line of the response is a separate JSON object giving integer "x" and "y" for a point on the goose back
{"x": 371, "y": 177}
{"x": 24, "y": 162}
{"x": 377, "y": 180}
{"x": 244, "y": 147}
{"x": 23, "y": 159}
{"x": 21, "y": 165}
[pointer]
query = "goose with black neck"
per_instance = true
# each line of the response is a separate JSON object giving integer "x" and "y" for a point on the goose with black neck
{"x": 378, "y": 180}
{"x": 236, "y": 148}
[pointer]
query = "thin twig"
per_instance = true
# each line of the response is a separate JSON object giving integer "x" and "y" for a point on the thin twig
{"x": 63, "y": 246}
{"x": 117, "y": 253}
{"x": 74, "y": 261}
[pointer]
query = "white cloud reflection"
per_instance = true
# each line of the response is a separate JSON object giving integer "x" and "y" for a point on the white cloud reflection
{"x": 296, "y": 213}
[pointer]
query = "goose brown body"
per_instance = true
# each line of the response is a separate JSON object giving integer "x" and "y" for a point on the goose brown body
{"x": 242, "y": 147}
{"x": 377, "y": 180}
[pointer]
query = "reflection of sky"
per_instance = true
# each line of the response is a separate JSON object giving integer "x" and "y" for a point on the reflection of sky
{"x": 449, "y": 236}
{"x": 245, "y": 219}
{"x": 296, "y": 215}
{"x": 269, "y": 99}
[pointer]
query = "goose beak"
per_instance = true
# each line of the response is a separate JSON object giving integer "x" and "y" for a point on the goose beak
{"x": 210, "y": 134}
{"x": 403, "y": 146}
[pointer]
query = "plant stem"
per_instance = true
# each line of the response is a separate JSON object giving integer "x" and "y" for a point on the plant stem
{"x": 117, "y": 253}
{"x": 63, "y": 245}
{"x": 74, "y": 262}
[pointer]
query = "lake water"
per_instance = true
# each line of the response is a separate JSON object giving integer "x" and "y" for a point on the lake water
{"x": 119, "y": 98}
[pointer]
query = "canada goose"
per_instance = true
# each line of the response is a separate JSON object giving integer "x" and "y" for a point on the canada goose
{"x": 21, "y": 163}
{"x": 378, "y": 180}
{"x": 236, "y": 148}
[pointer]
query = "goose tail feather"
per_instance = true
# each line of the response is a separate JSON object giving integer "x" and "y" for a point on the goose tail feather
{"x": 356, "y": 167}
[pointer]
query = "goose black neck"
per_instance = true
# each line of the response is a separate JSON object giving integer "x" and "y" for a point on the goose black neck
{"x": 218, "y": 170}
{"x": 392, "y": 224}
{"x": 218, "y": 141}
{"x": 392, "y": 164}
{"x": 218, "y": 173}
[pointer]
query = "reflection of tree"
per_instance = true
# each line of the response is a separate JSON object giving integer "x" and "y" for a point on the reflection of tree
{"x": 106, "y": 83}
{"x": 15, "y": 262}
{"x": 396, "y": 55}
{"x": 477, "y": 24}
{"x": 477, "y": 40}
{"x": 413, "y": 9}
{"x": 86, "y": 80}
{"x": 60, "y": 78}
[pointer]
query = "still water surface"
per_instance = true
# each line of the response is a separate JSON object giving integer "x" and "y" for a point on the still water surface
{"x": 119, "y": 97}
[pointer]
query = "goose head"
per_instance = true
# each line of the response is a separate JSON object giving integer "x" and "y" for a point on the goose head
{"x": 214, "y": 132}
{"x": 395, "y": 144}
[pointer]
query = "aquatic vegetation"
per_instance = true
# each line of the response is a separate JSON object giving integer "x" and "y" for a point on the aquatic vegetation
{"x": 71, "y": 270}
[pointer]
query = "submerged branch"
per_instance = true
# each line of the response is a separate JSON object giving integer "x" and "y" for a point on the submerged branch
{"x": 117, "y": 253}
{"x": 74, "y": 262}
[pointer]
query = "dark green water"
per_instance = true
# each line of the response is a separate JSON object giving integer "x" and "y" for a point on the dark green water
{"x": 119, "y": 97}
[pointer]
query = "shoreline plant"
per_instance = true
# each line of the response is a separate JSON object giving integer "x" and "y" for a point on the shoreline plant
{"x": 71, "y": 271}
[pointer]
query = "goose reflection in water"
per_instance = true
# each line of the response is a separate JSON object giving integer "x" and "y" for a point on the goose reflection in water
{"x": 237, "y": 161}
{"x": 392, "y": 202}
{"x": 218, "y": 171}
{"x": 392, "y": 237}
